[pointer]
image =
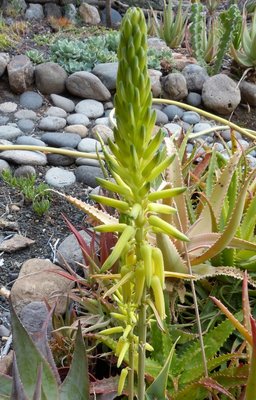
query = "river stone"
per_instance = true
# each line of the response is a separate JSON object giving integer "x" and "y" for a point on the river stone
{"x": 155, "y": 81}
{"x": 62, "y": 102}
{"x": 25, "y": 114}
{"x": 50, "y": 78}
{"x": 201, "y": 126}
{"x": 103, "y": 131}
{"x": 78, "y": 119}
{"x": 25, "y": 171}
{"x": 3, "y": 120}
{"x": 87, "y": 86}
{"x": 89, "y": 145}
{"x": 221, "y": 94}
{"x": 81, "y": 130}
{"x": 26, "y": 125}
{"x": 9, "y": 132}
{"x": 226, "y": 135}
{"x": 59, "y": 160}
{"x": 89, "y": 14}
{"x": 116, "y": 17}
{"x": 39, "y": 280}
{"x": 87, "y": 161}
{"x": 175, "y": 86}
{"x": 161, "y": 117}
{"x": 34, "y": 12}
{"x": 59, "y": 139}
{"x": 20, "y": 73}
{"x": 30, "y": 141}
{"x": 59, "y": 178}
{"x": 173, "y": 111}
{"x": 195, "y": 76}
{"x": 191, "y": 117}
{"x": 24, "y": 157}
{"x": 56, "y": 112}
{"x": 107, "y": 73}
{"x": 8, "y": 107}
{"x": 31, "y": 100}
{"x": 4, "y": 166}
{"x": 87, "y": 174}
{"x": 194, "y": 99}
{"x": 52, "y": 123}
{"x": 69, "y": 251}
{"x": 173, "y": 129}
{"x": 102, "y": 121}
{"x": 90, "y": 108}
{"x": 248, "y": 93}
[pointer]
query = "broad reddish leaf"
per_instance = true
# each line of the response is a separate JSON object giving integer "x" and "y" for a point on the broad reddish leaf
{"x": 210, "y": 383}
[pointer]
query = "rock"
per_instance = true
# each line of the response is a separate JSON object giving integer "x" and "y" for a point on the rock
{"x": 56, "y": 112}
{"x": 52, "y": 10}
{"x": 226, "y": 135}
{"x": 81, "y": 130}
{"x": 194, "y": 99}
{"x": 24, "y": 157}
{"x": 4, "y": 331}
{"x": 25, "y": 114}
{"x": 8, "y": 132}
{"x": 116, "y": 17}
{"x": 173, "y": 111}
{"x": 8, "y": 107}
{"x": 30, "y": 141}
{"x": 31, "y": 100}
{"x": 221, "y": 94}
{"x": 191, "y": 117}
{"x": 156, "y": 86}
{"x": 4, "y": 60}
{"x": 87, "y": 86}
{"x": 89, "y": 14}
{"x": 59, "y": 160}
{"x": 20, "y": 73}
{"x": 59, "y": 178}
{"x": 69, "y": 250}
{"x": 25, "y": 171}
{"x": 107, "y": 73}
{"x": 4, "y": 166}
{"x": 33, "y": 316}
{"x": 52, "y": 123}
{"x": 90, "y": 108}
{"x": 59, "y": 139}
{"x": 201, "y": 126}
{"x": 34, "y": 11}
{"x": 195, "y": 76}
{"x": 248, "y": 93}
{"x": 157, "y": 44}
{"x": 88, "y": 174}
{"x": 87, "y": 161}
{"x": 175, "y": 87}
{"x": 26, "y": 125}
{"x": 70, "y": 12}
{"x": 102, "y": 121}
{"x": 39, "y": 280}
{"x": 89, "y": 145}
{"x": 173, "y": 129}
{"x": 78, "y": 119}
{"x": 180, "y": 61}
{"x": 50, "y": 78}
{"x": 15, "y": 243}
{"x": 3, "y": 120}
{"x": 103, "y": 131}
{"x": 62, "y": 102}
{"x": 161, "y": 117}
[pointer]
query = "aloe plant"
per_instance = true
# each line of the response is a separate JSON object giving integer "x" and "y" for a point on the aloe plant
{"x": 35, "y": 375}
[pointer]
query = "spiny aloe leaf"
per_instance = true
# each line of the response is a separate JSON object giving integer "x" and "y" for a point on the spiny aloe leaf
{"x": 212, "y": 384}
{"x": 217, "y": 197}
{"x": 174, "y": 176}
{"x": 251, "y": 383}
{"x": 18, "y": 392}
{"x": 76, "y": 384}
{"x": 28, "y": 361}
{"x": 157, "y": 389}
{"x": 231, "y": 226}
{"x": 5, "y": 387}
{"x": 213, "y": 341}
{"x": 249, "y": 220}
{"x": 172, "y": 259}
{"x": 203, "y": 271}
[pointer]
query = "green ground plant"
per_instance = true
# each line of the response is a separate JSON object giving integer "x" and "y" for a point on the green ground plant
{"x": 37, "y": 194}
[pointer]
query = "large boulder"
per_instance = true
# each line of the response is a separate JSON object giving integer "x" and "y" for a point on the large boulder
{"x": 87, "y": 86}
{"x": 248, "y": 93}
{"x": 221, "y": 94}
{"x": 4, "y": 60}
{"x": 89, "y": 14}
{"x": 195, "y": 76}
{"x": 50, "y": 78}
{"x": 175, "y": 86}
{"x": 20, "y": 73}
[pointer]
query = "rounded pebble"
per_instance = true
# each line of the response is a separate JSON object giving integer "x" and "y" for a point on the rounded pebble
{"x": 56, "y": 112}
{"x": 227, "y": 135}
{"x": 201, "y": 126}
{"x": 173, "y": 111}
{"x": 8, "y": 107}
{"x": 87, "y": 174}
{"x": 89, "y": 145}
{"x": 62, "y": 102}
{"x": 191, "y": 117}
{"x": 90, "y": 108}
{"x": 59, "y": 160}
{"x": 25, "y": 171}
{"x": 78, "y": 119}
{"x": 3, "y": 120}
{"x": 4, "y": 166}
{"x": 173, "y": 129}
{"x": 52, "y": 123}
{"x": 194, "y": 99}
{"x": 59, "y": 139}
{"x": 58, "y": 177}
{"x": 30, "y": 141}
{"x": 26, "y": 125}
{"x": 31, "y": 100}
{"x": 25, "y": 114}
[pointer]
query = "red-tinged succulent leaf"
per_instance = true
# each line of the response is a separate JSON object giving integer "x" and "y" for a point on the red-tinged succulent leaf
{"x": 232, "y": 376}
{"x": 76, "y": 384}
{"x": 70, "y": 277}
{"x": 5, "y": 387}
{"x": 18, "y": 392}
{"x": 29, "y": 359}
{"x": 210, "y": 383}
{"x": 201, "y": 166}
{"x": 244, "y": 332}
{"x": 105, "y": 386}
{"x": 251, "y": 383}
{"x": 246, "y": 303}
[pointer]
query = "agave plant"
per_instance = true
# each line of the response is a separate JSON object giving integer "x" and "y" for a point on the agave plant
{"x": 170, "y": 28}
{"x": 246, "y": 55}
